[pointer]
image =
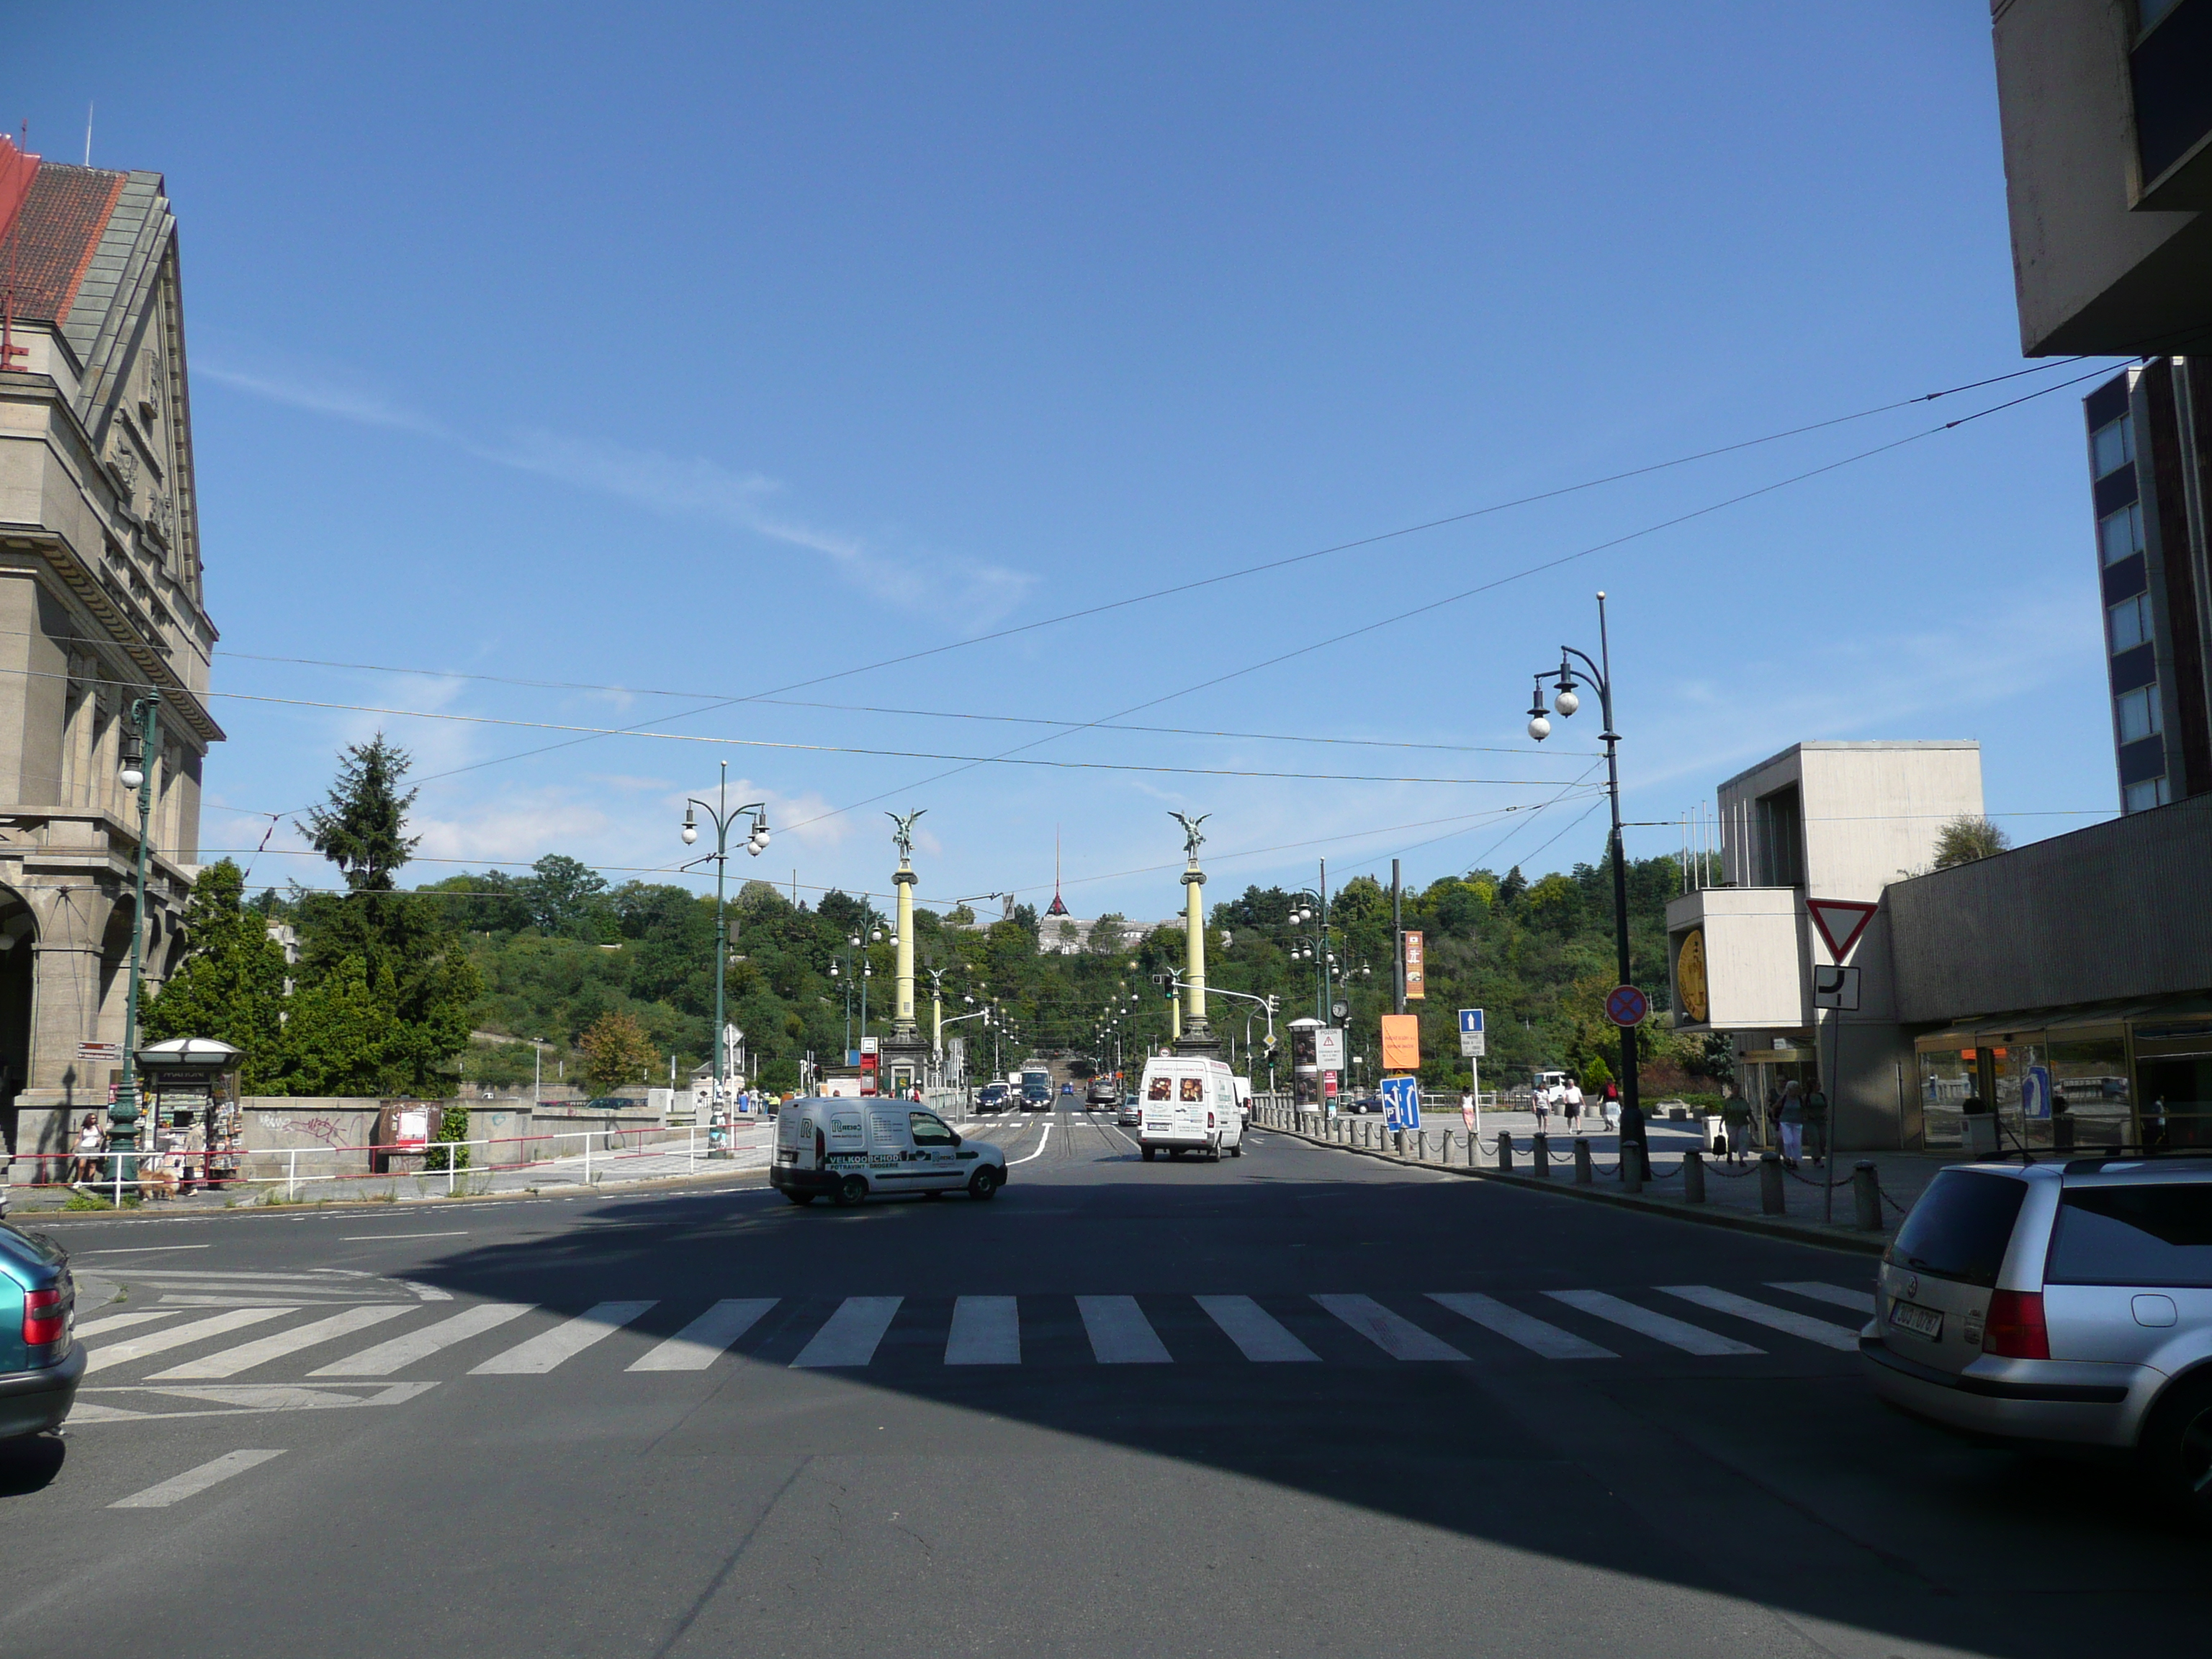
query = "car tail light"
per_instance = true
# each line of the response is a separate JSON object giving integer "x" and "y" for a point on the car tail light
{"x": 1209, "y": 1120}
{"x": 821, "y": 1150}
{"x": 2015, "y": 1328}
{"x": 45, "y": 1320}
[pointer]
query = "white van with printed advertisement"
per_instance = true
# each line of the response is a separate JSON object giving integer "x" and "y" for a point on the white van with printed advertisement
{"x": 1189, "y": 1105}
{"x": 849, "y": 1150}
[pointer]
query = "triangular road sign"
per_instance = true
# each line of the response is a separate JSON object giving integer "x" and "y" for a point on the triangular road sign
{"x": 1840, "y": 921}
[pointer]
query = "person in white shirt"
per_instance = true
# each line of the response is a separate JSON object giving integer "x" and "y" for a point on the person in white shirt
{"x": 1574, "y": 1105}
{"x": 1540, "y": 1101}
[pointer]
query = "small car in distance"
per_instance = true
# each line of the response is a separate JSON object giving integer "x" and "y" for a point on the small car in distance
{"x": 1102, "y": 1091}
{"x": 993, "y": 1098}
{"x": 2058, "y": 1305}
{"x": 1131, "y": 1113}
{"x": 40, "y": 1361}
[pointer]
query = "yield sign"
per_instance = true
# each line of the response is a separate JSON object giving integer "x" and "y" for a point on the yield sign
{"x": 1840, "y": 921}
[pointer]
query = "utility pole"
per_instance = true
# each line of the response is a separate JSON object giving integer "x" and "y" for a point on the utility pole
{"x": 722, "y": 818}
{"x": 141, "y": 745}
{"x": 1398, "y": 946}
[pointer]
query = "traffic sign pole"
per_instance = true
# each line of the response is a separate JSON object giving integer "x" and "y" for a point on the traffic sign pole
{"x": 1839, "y": 923}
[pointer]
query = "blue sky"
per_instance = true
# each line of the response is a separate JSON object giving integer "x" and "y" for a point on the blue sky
{"x": 717, "y": 348}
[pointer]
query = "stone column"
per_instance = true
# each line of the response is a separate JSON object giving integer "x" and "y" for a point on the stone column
{"x": 903, "y": 1022}
{"x": 1193, "y": 1033}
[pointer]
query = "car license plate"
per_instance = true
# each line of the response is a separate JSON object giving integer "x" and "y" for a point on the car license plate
{"x": 1921, "y": 1322}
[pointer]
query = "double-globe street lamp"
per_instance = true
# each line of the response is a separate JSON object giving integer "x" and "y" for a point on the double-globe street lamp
{"x": 722, "y": 816}
{"x": 1566, "y": 700}
{"x": 140, "y": 740}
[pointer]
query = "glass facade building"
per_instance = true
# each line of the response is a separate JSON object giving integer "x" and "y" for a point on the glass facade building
{"x": 2147, "y": 479}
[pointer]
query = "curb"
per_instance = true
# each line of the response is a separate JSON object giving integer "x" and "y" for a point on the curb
{"x": 1798, "y": 1232}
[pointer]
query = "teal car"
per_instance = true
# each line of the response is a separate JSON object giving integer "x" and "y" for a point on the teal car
{"x": 40, "y": 1362}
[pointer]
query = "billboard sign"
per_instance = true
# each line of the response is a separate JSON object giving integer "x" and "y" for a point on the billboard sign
{"x": 1417, "y": 984}
{"x": 1401, "y": 1042}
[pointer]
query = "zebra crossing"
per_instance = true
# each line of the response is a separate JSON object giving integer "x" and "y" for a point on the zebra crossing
{"x": 191, "y": 1345}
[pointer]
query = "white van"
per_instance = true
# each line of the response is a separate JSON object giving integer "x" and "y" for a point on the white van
{"x": 849, "y": 1149}
{"x": 1189, "y": 1105}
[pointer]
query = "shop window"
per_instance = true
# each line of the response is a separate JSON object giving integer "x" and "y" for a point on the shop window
{"x": 2138, "y": 713}
{"x": 2128, "y": 623}
{"x": 2090, "y": 1085}
{"x": 2142, "y": 796}
{"x": 2121, "y": 533}
{"x": 1947, "y": 1076}
{"x": 2111, "y": 446}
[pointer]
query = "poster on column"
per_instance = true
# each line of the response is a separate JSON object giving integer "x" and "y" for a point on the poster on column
{"x": 1416, "y": 983}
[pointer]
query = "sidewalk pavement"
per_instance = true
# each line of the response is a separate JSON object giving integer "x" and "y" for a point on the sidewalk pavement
{"x": 1732, "y": 1192}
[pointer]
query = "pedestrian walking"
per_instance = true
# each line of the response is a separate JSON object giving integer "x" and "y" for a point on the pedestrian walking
{"x": 1609, "y": 1107}
{"x": 1816, "y": 1125}
{"x": 1540, "y": 1101}
{"x": 1736, "y": 1123}
{"x": 1572, "y": 1106}
{"x": 1789, "y": 1119}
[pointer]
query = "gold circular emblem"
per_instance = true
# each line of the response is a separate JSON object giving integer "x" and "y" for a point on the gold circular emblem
{"x": 1690, "y": 977}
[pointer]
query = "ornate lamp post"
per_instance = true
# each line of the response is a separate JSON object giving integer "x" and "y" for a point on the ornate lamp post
{"x": 141, "y": 740}
{"x": 722, "y": 816}
{"x": 1566, "y": 700}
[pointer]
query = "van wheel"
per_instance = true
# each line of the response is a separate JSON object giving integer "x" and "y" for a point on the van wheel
{"x": 2177, "y": 1447}
{"x": 851, "y": 1190}
{"x": 1237, "y": 1151}
{"x": 800, "y": 1198}
{"x": 1148, "y": 1152}
{"x": 983, "y": 1185}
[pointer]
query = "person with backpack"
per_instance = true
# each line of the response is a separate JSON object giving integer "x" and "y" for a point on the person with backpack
{"x": 1735, "y": 1122}
{"x": 1816, "y": 1124}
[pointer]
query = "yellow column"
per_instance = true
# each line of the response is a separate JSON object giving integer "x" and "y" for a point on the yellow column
{"x": 902, "y": 1008}
{"x": 1194, "y": 1009}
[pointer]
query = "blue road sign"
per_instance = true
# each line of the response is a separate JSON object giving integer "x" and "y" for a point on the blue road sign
{"x": 1402, "y": 1102}
{"x": 1470, "y": 1021}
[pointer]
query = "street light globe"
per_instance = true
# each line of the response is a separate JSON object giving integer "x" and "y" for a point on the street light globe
{"x": 1566, "y": 702}
{"x": 691, "y": 833}
{"x": 1539, "y": 727}
{"x": 132, "y": 777}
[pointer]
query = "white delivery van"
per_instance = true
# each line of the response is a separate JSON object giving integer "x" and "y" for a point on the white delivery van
{"x": 848, "y": 1149}
{"x": 1243, "y": 1086}
{"x": 1189, "y": 1105}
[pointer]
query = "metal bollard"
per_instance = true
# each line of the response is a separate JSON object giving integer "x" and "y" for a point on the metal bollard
{"x": 1583, "y": 1173}
{"x": 1866, "y": 1198}
{"x": 1505, "y": 1150}
{"x": 1420, "y": 1145}
{"x": 1693, "y": 1176}
{"x": 1540, "y": 1155}
{"x": 1398, "y": 1142}
{"x": 1633, "y": 1168}
{"x": 1470, "y": 1149}
{"x": 1770, "y": 1201}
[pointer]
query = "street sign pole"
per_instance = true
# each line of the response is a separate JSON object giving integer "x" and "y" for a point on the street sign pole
{"x": 1839, "y": 923}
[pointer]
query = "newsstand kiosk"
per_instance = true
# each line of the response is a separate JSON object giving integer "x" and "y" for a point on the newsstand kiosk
{"x": 191, "y": 1089}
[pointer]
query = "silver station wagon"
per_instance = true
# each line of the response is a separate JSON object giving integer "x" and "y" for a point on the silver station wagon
{"x": 2058, "y": 1305}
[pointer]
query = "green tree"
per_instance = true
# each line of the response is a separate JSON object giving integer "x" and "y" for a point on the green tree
{"x": 568, "y": 899}
{"x": 1966, "y": 838}
{"x": 361, "y": 828}
{"x": 230, "y": 985}
{"x": 617, "y": 1051}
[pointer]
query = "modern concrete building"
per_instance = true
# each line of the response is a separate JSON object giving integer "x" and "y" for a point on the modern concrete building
{"x": 2070, "y": 979}
{"x": 101, "y": 603}
{"x": 2107, "y": 111}
{"x": 1818, "y": 821}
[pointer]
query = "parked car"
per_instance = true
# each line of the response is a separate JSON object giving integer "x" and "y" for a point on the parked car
{"x": 40, "y": 1363}
{"x": 2058, "y": 1305}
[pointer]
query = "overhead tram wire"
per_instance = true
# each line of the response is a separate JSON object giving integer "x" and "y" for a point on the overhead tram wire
{"x": 1563, "y": 559}
{"x": 1299, "y": 558}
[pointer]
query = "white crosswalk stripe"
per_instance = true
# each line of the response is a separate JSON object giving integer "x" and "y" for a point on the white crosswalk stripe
{"x": 851, "y": 1334}
{"x": 1395, "y": 1335}
{"x": 1258, "y": 1334}
{"x": 1660, "y": 1327}
{"x": 230, "y": 1362}
{"x": 177, "y": 1336}
{"x": 542, "y": 1352}
{"x": 707, "y": 1338}
{"x": 1120, "y": 1334}
{"x": 194, "y": 1481}
{"x": 1530, "y": 1332}
{"x": 1838, "y": 1337}
{"x": 1859, "y": 1302}
{"x": 417, "y": 1345}
{"x": 986, "y": 1330}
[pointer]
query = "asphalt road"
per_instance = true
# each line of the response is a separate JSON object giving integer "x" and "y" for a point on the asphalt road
{"x": 1223, "y": 1412}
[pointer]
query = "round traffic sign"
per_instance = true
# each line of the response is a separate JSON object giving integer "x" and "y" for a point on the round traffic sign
{"x": 1626, "y": 1006}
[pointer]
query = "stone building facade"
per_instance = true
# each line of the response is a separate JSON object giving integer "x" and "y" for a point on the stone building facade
{"x": 100, "y": 604}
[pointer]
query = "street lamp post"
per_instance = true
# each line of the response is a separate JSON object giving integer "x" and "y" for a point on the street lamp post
{"x": 140, "y": 742}
{"x": 721, "y": 815}
{"x": 1566, "y": 701}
